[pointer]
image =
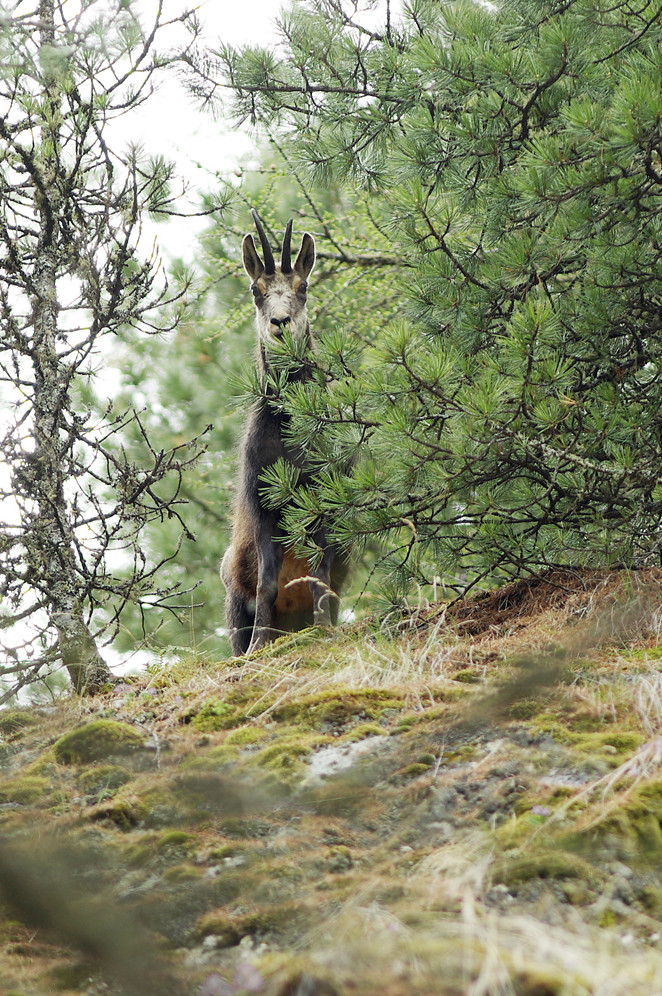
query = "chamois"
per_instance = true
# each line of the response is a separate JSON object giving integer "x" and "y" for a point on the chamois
{"x": 268, "y": 589}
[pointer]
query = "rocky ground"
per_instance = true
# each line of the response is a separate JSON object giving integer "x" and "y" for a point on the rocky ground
{"x": 468, "y": 801}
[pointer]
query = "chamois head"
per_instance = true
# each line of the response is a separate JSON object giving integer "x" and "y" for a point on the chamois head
{"x": 279, "y": 290}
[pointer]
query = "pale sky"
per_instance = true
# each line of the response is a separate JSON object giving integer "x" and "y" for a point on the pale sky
{"x": 171, "y": 124}
{"x": 202, "y": 146}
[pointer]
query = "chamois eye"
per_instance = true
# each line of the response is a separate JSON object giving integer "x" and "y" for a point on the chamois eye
{"x": 256, "y": 290}
{"x": 302, "y": 288}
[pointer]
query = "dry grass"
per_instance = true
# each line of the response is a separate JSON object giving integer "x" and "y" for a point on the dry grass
{"x": 516, "y": 731}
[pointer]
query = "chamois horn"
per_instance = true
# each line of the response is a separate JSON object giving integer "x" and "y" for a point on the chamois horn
{"x": 286, "y": 262}
{"x": 269, "y": 265}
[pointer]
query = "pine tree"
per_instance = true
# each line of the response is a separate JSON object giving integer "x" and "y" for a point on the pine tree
{"x": 512, "y": 418}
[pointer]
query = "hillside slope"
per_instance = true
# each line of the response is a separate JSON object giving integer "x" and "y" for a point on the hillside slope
{"x": 467, "y": 801}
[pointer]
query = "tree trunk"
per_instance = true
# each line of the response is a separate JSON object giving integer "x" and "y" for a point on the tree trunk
{"x": 50, "y": 542}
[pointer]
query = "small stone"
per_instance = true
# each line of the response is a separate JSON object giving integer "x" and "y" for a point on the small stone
{"x": 247, "y": 978}
{"x": 215, "y": 985}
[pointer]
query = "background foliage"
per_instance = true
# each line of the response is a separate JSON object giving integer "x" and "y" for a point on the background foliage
{"x": 484, "y": 189}
{"x": 205, "y": 373}
{"x": 510, "y": 418}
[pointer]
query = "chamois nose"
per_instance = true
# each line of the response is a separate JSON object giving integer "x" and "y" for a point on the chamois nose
{"x": 280, "y": 323}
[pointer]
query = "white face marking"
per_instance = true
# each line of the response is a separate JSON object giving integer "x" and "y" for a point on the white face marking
{"x": 279, "y": 307}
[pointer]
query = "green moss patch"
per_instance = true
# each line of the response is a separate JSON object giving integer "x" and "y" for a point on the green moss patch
{"x": 183, "y": 873}
{"x": 336, "y": 707}
{"x": 213, "y": 715}
{"x": 617, "y": 743}
{"x": 103, "y": 780}
{"x": 70, "y": 976}
{"x": 13, "y": 722}
{"x": 247, "y": 736}
{"x": 25, "y": 789}
{"x": 547, "y": 863}
{"x": 96, "y": 741}
{"x": 284, "y": 757}
{"x": 468, "y": 676}
{"x": 212, "y": 759}
{"x": 362, "y": 732}
{"x": 191, "y": 796}
{"x": 174, "y": 840}
{"x": 524, "y": 709}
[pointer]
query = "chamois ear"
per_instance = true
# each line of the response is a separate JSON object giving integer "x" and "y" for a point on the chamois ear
{"x": 252, "y": 263}
{"x": 306, "y": 259}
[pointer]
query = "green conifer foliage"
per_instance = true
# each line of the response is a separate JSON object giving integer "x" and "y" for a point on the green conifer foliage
{"x": 206, "y": 372}
{"x": 511, "y": 417}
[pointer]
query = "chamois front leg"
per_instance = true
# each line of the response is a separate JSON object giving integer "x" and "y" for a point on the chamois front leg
{"x": 269, "y": 561}
{"x": 321, "y": 589}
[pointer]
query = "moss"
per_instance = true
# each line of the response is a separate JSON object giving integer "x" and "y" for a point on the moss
{"x": 139, "y": 854}
{"x": 405, "y": 723}
{"x": 226, "y": 851}
{"x": 614, "y": 744}
{"x": 213, "y": 759}
{"x": 362, "y": 733}
{"x": 461, "y": 755}
{"x": 412, "y": 771}
{"x": 247, "y": 736}
{"x": 65, "y": 977}
{"x": 97, "y": 740}
{"x": 468, "y": 676}
{"x": 525, "y": 709}
{"x": 545, "y": 863}
{"x": 608, "y": 919}
{"x": 25, "y": 789}
{"x": 648, "y": 653}
{"x": 537, "y": 981}
{"x": 191, "y": 796}
{"x": 624, "y": 741}
{"x": 13, "y": 722}
{"x": 173, "y": 839}
{"x": 338, "y": 706}
{"x": 103, "y": 779}
{"x": 284, "y": 756}
{"x": 633, "y": 831}
{"x": 577, "y": 892}
{"x": 183, "y": 873}
{"x": 214, "y": 715}
{"x": 650, "y": 897}
{"x": 548, "y": 723}
{"x": 126, "y": 812}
